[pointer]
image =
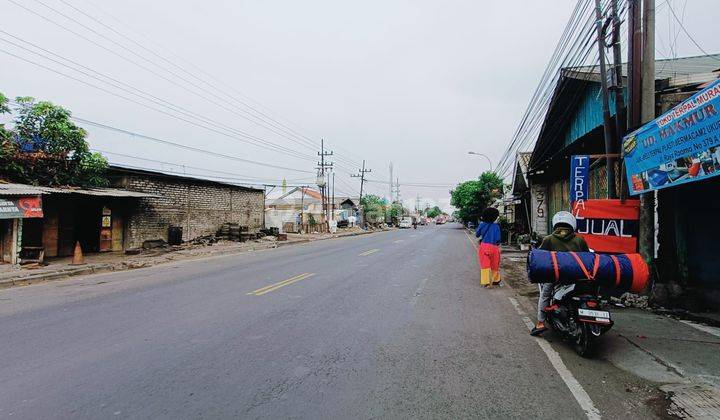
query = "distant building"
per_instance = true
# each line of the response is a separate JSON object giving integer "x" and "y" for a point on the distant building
{"x": 301, "y": 209}
{"x": 197, "y": 206}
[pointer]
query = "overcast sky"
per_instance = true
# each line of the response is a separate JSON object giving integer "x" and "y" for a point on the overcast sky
{"x": 418, "y": 83}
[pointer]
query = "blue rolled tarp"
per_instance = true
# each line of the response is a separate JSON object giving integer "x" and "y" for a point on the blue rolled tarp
{"x": 623, "y": 272}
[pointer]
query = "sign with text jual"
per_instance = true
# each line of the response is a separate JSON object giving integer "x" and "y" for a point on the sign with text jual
{"x": 680, "y": 146}
{"x": 608, "y": 225}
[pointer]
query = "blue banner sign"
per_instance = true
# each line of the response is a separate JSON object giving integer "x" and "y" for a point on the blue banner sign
{"x": 579, "y": 167}
{"x": 682, "y": 145}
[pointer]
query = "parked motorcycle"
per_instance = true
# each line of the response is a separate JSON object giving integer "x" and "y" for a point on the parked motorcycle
{"x": 578, "y": 315}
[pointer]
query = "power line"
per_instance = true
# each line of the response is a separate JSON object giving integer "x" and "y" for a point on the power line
{"x": 184, "y": 166}
{"x": 154, "y": 99}
{"x": 361, "y": 175}
{"x": 308, "y": 141}
{"x": 145, "y": 96}
{"x": 183, "y": 86}
{"x": 182, "y": 146}
{"x": 126, "y": 98}
{"x": 573, "y": 50}
{"x": 688, "y": 34}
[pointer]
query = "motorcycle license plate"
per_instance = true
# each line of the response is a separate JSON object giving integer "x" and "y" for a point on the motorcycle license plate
{"x": 599, "y": 315}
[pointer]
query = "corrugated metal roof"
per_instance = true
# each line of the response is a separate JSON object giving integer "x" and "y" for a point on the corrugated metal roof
{"x": 10, "y": 189}
{"x": 665, "y": 68}
{"x": 112, "y": 192}
{"x": 24, "y": 189}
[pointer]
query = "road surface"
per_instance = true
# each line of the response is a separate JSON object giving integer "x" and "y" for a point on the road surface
{"x": 387, "y": 325}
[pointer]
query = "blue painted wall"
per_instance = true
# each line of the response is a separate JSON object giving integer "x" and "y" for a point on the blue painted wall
{"x": 588, "y": 115}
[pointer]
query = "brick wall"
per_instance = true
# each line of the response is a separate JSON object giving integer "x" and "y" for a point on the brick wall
{"x": 199, "y": 207}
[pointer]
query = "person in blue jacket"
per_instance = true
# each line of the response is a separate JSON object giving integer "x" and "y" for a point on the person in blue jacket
{"x": 489, "y": 247}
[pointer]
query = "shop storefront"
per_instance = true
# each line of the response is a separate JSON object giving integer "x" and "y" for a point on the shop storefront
{"x": 14, "y": 210}
{"x": 37, "y": 223}
{"x": 676, "y": 157}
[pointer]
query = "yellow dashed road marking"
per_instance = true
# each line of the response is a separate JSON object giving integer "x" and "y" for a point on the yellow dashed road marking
{"x": 267, "y": 289}
{"x": 372, "y": 251}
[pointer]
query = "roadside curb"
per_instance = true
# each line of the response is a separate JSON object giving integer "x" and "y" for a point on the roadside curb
{"x": 63, "y": 273}
{"x": 56, "y": 275}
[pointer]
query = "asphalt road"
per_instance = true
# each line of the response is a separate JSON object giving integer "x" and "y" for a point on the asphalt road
{"x": 388, "y": 325}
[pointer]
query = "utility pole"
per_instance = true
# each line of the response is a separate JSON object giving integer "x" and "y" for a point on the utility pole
{"x": 333, "y": 197}
{"x": 361, "y": 175}
{"x": 607, "y": 130}
{"x": 391, "y": 183}
{"x": 397, "y": 195}
{"x": 302, "y": 209}
{"x": 634, "y": 64}
{"x": 620, "y": 110}
{"x": 647, "y": 113}
{"x": 322, "y": 167}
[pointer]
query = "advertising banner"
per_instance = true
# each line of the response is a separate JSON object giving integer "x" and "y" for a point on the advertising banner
{"x": 17, "y": 208}
{"x": 579, "y": 169}
{"x": 608, "y": 225}
{"x": 680, "y": 146}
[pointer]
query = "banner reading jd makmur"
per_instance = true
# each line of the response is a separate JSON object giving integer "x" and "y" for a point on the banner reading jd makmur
{"x": 682, "y": 145}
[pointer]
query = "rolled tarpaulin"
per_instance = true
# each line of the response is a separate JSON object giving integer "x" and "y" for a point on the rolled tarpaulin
{"x": 623, "y": 272}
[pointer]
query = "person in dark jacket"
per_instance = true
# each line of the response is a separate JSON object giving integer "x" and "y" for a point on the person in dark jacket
{"x": 562, "y": 239}
{"x": 489, "y": 249}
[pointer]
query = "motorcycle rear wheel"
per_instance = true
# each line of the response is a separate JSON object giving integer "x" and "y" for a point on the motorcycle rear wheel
{"x": 584, "y": 342}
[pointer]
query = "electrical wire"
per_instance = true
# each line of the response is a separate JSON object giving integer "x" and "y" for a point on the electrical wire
{"x": 146, "y": 96}
{"x": 573, "y": 50}
{"x": 690, "y": 37}
{"x": 233, "y": 175}
{"x": 312, "y": 143}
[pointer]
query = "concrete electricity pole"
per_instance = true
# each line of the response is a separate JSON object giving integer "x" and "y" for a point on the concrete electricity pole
{"x": 322, "y": 166}
{"x": 647, "y": 113}
{"x": 361, "y": 175}
{"x": 620, "y": 109}
{"x": 391, "y": 183}
{"x": 607, "y": 130}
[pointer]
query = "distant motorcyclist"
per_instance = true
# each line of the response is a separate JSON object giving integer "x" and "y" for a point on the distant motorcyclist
{"x": 414, "y": 223}
{"x": 562, "y": 239}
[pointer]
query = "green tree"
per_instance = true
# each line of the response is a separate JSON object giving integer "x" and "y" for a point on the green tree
{"x": 47, "y": 148}
{"x": 434, "y": 212}
{"x": 7, "y": 147}
{"x": 472, "y": 197}
{"x": 374, "y": 208}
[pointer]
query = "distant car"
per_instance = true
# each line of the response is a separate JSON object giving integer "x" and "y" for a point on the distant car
{"x": 406, "y": 223}
{"x": 471, "y": 225}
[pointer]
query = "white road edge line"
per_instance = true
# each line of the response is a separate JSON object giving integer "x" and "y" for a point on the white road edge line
{"x": 582, "y": 397}
{"x": 704, "y": 328}
{"x": 472, "y": 243}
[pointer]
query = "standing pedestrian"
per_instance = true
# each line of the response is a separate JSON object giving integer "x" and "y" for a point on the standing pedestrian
{"x": 489, "y": 247}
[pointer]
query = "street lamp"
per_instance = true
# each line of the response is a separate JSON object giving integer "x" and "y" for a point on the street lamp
{"x": 483, "y": 155}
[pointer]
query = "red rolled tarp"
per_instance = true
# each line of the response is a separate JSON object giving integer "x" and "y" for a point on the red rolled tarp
{"x": 623, "y": 272}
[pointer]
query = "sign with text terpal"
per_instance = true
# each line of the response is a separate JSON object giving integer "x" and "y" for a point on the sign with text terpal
{"x": 608, "y": 225}
{"x": 680, "y": 146}
{"x": 17, "y": 208}
{"x": 579, "y": 169}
